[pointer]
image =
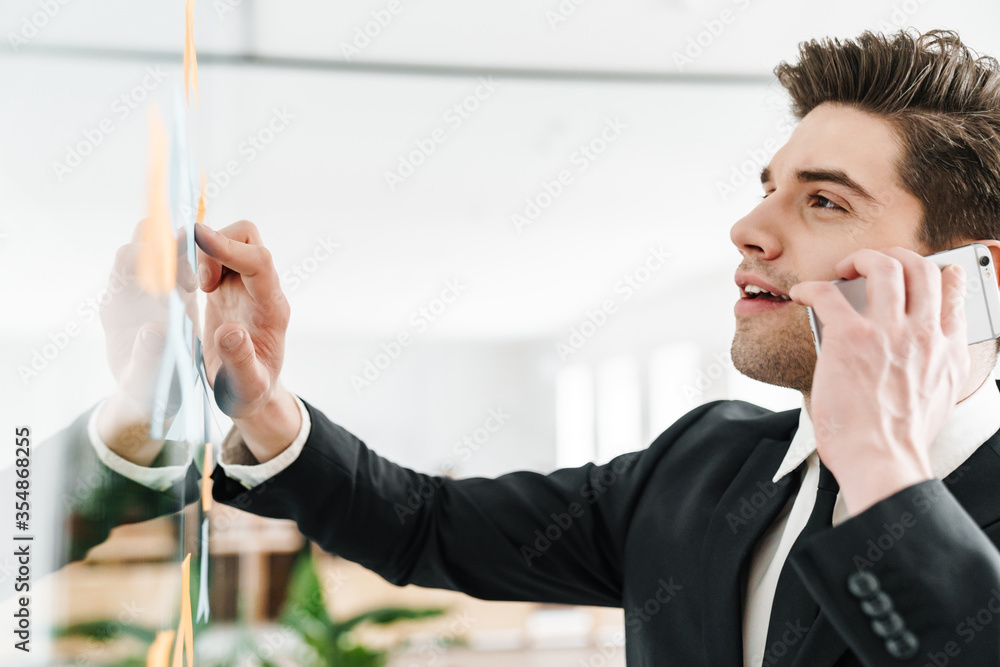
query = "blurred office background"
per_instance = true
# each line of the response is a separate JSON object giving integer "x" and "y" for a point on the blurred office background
{"x": 564, "y": 172}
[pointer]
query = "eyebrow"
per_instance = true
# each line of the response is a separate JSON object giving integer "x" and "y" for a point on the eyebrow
{"x": 828, "y": 175}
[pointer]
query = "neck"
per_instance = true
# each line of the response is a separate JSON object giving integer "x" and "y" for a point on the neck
{"x": 982, "y": 359}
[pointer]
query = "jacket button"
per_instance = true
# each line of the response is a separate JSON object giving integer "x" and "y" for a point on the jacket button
{"x": 863, "y": 584}
{"x": 879, "y": 605}
{"x": 888, "y": 626}
{"x": 903, "y": 646}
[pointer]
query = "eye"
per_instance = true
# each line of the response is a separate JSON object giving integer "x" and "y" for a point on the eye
{"x": 823, "y": 202}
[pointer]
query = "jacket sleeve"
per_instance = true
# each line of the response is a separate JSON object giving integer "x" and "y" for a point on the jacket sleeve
{"x": 522, "y": 536}
{"x": 96, "y": 498}
{"x": 74, "y": 500}
{"x": 911, "y": 580}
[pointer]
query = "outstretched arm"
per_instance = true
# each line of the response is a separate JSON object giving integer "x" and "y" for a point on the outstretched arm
{"x": 524, "y": 536}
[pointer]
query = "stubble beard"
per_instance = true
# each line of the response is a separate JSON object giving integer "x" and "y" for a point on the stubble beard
{"x": 776, "y": 349}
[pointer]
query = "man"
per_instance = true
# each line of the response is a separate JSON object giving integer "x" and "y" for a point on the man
{"x": 726, "y": 541}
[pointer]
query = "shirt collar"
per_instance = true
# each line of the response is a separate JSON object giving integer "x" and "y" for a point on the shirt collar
{"x": 972, "y": 422}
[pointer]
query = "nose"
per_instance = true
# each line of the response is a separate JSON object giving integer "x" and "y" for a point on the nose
{"x": 756, "y": 233}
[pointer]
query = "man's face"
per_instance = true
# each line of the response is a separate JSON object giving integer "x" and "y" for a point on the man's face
{"x": 830, "y": 190}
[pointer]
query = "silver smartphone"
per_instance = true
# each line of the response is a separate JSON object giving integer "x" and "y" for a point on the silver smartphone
{"x": 982, "y": 298}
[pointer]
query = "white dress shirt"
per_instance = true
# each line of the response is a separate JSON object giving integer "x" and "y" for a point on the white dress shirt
{"x": 235, "y": 459}
{"x": 972, "y": 422}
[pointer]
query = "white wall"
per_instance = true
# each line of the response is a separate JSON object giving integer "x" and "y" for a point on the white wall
{"x": 323, "y": 177}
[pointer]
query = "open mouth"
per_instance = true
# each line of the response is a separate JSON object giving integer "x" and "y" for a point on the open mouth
{"x": 766, "y": 296}
{"x": 756, "y": 293}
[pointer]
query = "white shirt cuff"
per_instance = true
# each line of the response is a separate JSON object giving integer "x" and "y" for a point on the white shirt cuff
{"x": 159, "y": 478}
{"x": 239, "y": 464}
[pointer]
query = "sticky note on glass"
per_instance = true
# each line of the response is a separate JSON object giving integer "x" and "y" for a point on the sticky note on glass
{"x": 201, "y": 201}
{"x": 158, "y": 654}
{"x": 156, "y": 262}
{"x": 190, "y": 57}
{"x": 185, "y": 629}
{"x": 206, "y": 479}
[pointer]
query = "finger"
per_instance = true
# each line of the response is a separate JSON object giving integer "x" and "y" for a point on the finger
{"x": 884, "y": 288}
{"x": 148, "y": 348}
{"x": 238, "y": 247}
{"x": 137, "y": 231}
{"x": 139, "y": 375}
{"x": 953, "y": 291}
{"x": 124, "y": 264}
{"x": 825, "y": 299}
{"x": 247, "y": 378}
{"x": 217, "y": 246}
{"x": 209, "y": 269}
{"x": 185, "y": 273}
{"x": 922, "y": 285}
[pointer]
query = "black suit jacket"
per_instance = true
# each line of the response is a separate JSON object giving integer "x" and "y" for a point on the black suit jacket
{"x": 75, "y": 500}
{"x": 667, "y": 534}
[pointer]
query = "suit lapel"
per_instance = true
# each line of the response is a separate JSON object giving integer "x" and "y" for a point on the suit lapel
{"x": 741, "y": 517}
{"x": 974, "y": 483}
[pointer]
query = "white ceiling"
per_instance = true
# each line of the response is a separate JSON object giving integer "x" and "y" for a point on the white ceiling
{"x": 323, "y": 176}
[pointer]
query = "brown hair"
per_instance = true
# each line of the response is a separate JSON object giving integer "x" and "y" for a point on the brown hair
{"x": 943, "y": 102}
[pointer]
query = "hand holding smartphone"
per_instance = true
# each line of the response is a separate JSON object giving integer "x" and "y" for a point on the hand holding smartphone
{"x": 982, "y": 297}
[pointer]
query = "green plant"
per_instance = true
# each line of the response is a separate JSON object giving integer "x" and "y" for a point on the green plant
{"x": 304, "y": 614}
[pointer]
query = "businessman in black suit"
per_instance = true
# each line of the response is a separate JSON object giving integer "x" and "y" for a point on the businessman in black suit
{"x": 861, "y": 530}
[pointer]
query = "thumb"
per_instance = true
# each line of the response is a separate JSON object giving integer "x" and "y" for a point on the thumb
{"x": 138, "y": 376}
{"x": 148, "y": 348}
{"x": 244, "y": 379}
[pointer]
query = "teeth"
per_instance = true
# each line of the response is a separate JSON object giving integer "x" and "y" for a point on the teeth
{"x": 756, "y": 289}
